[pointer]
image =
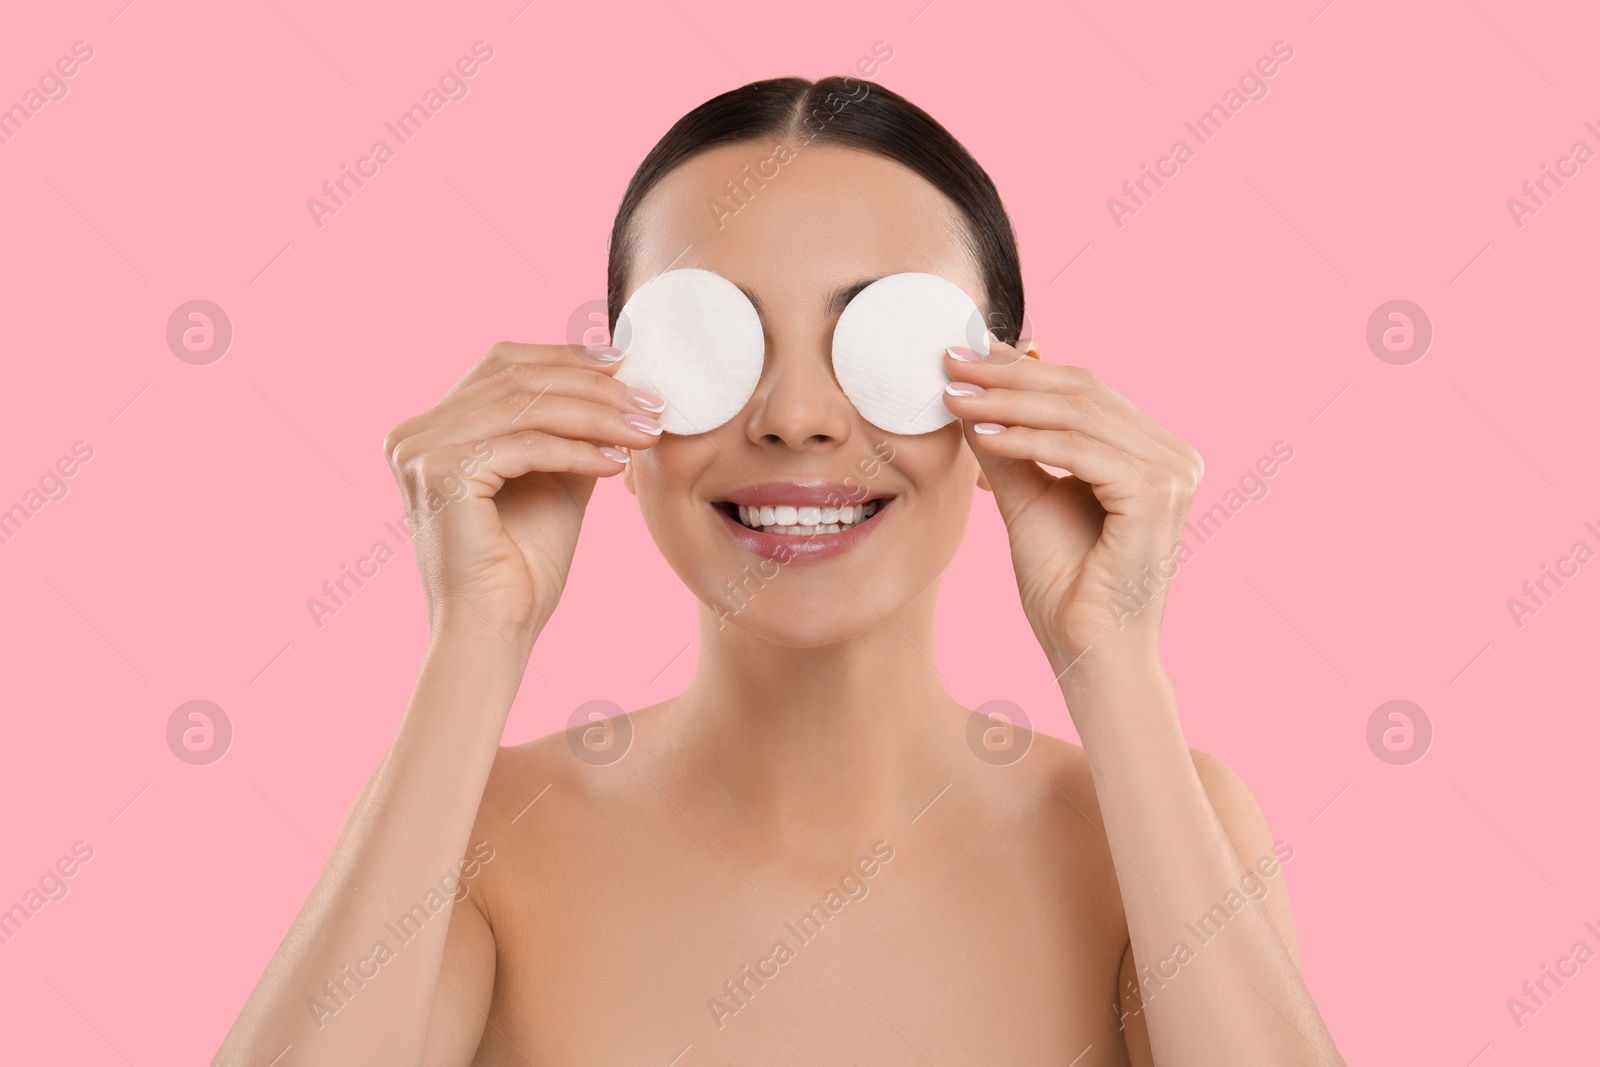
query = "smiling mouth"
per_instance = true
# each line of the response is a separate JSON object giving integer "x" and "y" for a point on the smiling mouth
{"x": 803, "y": 520}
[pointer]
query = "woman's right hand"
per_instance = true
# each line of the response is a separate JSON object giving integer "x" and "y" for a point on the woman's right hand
{"x": 497, "y": 475}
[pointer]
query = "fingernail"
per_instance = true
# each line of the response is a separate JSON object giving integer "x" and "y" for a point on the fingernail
{"x": 987, "y": 427}
{"x": 964, "y": 354}
{"x": 603, "y": 353}
{"x": 995, "y": 338}
{"x": 640, "y": 422}
{"x": 647, "y": 400}
{"x": 618, "y": 454}
{"x": 964, "y": 389}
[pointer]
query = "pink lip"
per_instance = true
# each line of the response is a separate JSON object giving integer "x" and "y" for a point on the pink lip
{"x": 798, "y": 548}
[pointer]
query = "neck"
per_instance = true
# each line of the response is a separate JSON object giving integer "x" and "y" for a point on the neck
{"x": 830, "y": 739}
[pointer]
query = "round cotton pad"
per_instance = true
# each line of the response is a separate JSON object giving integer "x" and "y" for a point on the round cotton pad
{"x": 693, "y": 337}
{"x": 888, "y": 349}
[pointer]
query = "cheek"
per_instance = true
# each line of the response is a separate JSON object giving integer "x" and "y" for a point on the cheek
{"x": 939, "y": 459}
{"x": 658, "y": 475}
{"x": 959, "y": 474}
{"x": 666, "y": 479}
{"x": 942, "y": 474}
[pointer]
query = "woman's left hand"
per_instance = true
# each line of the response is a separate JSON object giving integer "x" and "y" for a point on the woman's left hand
{"x": 1094, "y": 550}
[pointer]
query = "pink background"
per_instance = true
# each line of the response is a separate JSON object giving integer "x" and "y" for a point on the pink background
{"x": 1232, "y": 308}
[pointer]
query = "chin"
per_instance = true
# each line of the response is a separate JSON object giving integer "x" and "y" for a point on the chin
{"x": 787, "y": 624}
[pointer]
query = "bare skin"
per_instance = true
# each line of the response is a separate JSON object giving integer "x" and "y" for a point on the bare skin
{"x": 964, "y": 910}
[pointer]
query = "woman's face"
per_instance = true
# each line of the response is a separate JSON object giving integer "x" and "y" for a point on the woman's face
{"x": 831, "y": 220}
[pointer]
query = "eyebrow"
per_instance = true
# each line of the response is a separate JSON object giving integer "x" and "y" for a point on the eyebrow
{"x": 836, "y": 301}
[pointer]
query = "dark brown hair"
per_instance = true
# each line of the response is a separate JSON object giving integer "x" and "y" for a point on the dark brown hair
{"x": 871, "y": 118}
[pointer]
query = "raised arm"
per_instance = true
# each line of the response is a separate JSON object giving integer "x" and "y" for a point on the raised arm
{"x": 1094, "y": 553}
{"x": 496, "y": 479}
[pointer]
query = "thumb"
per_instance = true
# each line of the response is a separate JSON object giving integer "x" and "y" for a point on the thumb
{"x": 1014, "y": 482}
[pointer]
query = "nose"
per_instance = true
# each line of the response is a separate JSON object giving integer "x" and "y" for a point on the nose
{"x": 798, "y": 402}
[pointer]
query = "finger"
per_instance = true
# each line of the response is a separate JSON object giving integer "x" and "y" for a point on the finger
{"x": 1011, "y": 479}
{"x": 551, "y": 413}
{"x": 503, "y": 354}
{"x": 1086, "y": 456}
{"x": 1007, "y": 367}
{"x": 1055, "y": 411}
{"x": 534, "y": 380}
{"x": 528, "y": 451}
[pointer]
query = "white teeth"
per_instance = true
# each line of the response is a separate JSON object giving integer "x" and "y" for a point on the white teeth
{"x": 804, "y": 520}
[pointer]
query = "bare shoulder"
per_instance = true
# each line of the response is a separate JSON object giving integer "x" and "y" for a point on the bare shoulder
{"x": 1261, "y": 856}
{"x": 566, "y": 761}
{"x": 1062, "y": 769}
{"x": 544, "y": 798}
{"x": 1064, "y": 766}
{"x": 1050, "y": 796}
{"x": 523, "y": 774}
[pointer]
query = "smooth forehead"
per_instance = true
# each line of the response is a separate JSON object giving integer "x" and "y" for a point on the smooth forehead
{"x": 791, "y": 233}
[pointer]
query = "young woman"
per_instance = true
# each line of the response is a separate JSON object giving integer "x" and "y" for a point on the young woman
{"x": 812, "y": 854}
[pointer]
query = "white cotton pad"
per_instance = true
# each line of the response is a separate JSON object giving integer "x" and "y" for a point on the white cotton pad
{"x": 888, "y": 349}
{"x": 694, "y": 338}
